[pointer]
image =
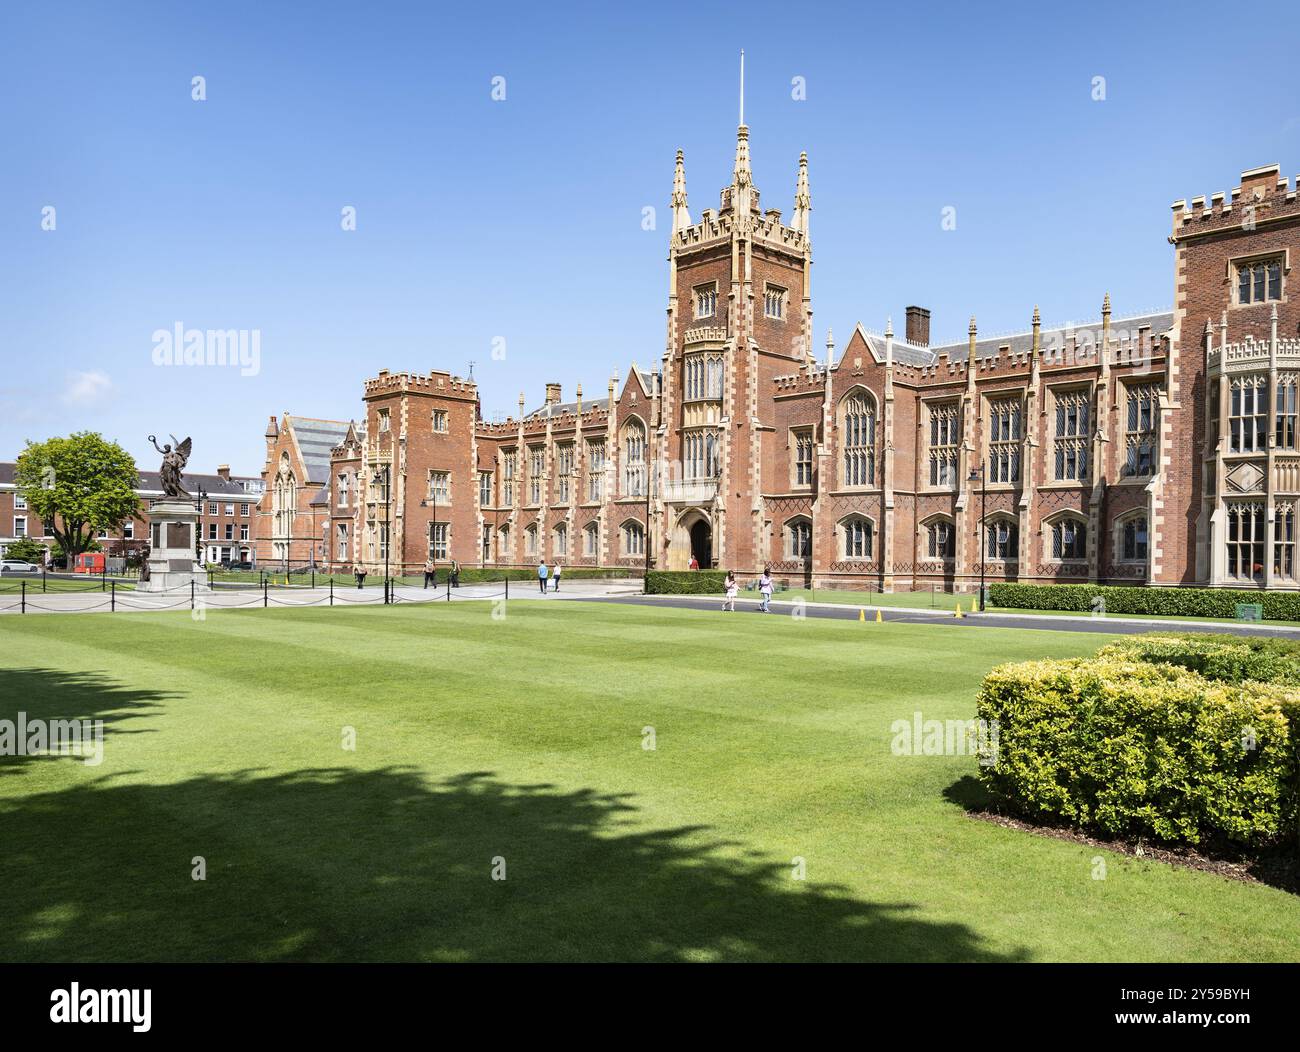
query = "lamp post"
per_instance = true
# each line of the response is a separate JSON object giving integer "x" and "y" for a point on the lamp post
{"x": 382, "y": 478}
{"x": 978, "y": 473}
{"x": 198, "y": 541}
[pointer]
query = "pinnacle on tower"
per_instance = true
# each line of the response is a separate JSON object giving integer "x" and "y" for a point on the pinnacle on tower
{"x": 681, "y": 217}
{"x": 802, "y": 198}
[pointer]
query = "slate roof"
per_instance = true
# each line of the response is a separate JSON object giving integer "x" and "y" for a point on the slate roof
{"x": 315, "y": 440}
{"x": 1020, "y": 342}
{"x": 570, "y": 407}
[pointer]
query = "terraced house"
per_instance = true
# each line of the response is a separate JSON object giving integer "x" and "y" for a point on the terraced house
{"x": 1158, "y": 448}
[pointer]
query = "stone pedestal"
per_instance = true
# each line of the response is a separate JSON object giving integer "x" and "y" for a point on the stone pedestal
{"x": 173, "y": 532}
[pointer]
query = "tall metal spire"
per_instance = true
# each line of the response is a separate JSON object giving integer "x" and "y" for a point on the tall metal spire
{"x": 742, "y": 87}
{"x": 742, "y": 178}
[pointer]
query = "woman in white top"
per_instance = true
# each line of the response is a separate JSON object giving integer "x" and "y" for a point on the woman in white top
{"x": 765, "y": 587}
{"x": 729, "y": 603}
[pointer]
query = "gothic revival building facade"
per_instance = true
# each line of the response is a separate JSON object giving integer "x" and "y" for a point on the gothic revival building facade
{"x": 1158, "y": 449}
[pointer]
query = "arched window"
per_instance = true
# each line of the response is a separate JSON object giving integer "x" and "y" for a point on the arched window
{"x": 632, "y": 534}
{"x": 1068, "y": 539}
{"x": 284, "y": 498}
{"x": 858, "y": 438}
{"x": 1131, "y": 538}
{"x": 700, "y": 459}
{"x": 1002, "y": 540}
{"x": 1248, "y": 413}
{"x": 530, "y": 540}
{"x": 591, "y": 539}
{"x": 940, "y": 539}
{"x": 857, "y": 535}
{"x": 798, "y": 538}
{"x": 634, "y": 475}
{"x": 561, "y": 539}
{"x": 1245, "y": 540}
{"x": 1284, "y": 540}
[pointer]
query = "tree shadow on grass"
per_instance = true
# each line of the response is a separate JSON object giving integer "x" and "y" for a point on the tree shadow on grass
{"x": 49, "y": 695}
{"x": 340, "y": 864}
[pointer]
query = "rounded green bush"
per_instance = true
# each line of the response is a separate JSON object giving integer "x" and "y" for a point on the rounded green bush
{"x": 1135, "y": 742}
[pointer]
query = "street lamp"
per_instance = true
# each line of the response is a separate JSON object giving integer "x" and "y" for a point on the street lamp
{"x": 978, "y": 473}
{"x": 382, "y": 479}
{"x": 198, "y": 541}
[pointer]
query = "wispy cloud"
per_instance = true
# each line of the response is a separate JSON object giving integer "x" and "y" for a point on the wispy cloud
{"x": 86, "y": 389}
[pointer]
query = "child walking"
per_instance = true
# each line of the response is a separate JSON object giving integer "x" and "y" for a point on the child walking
{"x": 765, "y": 587}
{"x": 729, "y": 584}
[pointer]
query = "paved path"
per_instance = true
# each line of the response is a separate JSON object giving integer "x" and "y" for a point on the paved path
{"x": 909, "y": 615}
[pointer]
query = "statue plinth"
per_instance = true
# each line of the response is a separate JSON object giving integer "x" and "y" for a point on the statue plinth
{"x": 173, "y": 533}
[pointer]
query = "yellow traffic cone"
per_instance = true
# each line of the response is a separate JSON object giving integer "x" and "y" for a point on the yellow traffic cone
{"x": 880, "y": 617}
{"x": 957, "y": 612}
{"x": 862, "y": 614}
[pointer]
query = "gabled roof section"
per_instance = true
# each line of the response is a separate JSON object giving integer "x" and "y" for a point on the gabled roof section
{"x": 315, "y": 439}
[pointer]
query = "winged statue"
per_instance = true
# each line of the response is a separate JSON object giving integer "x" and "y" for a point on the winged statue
{"x": 175, "y": 456}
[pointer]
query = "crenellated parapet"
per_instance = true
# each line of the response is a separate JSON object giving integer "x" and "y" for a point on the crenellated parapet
{"x": 1263, "y": 198}
{"x": 434, "y": 382}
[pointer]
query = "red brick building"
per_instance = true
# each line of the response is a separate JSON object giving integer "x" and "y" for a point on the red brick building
{"x": 227, "y": 512}
{"x": 293, "y": 515}
{"x": 1158, "y": 448}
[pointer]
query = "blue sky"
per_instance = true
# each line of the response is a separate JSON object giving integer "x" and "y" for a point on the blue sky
{"x": 521, "y": 220}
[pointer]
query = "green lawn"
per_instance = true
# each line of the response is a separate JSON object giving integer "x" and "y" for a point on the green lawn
{"x": 521, "y": 739}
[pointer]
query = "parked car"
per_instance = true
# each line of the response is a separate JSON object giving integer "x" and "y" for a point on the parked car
{"x": 8, "y": 566}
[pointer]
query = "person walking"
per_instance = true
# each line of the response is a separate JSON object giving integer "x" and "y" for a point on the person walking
{"x": 556, "y": 574}
{"x": 542, "y": 574}
{"x": 765, "y": 587}
{"x": 729, "y": 585}
{"x": 455, "y": 574}
{"x": 359, "y": 572}
{"x": 694, "y": 564}
{"x": 429, "y": 573}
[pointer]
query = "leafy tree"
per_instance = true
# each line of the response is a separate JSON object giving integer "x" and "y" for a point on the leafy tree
{"x": 26, "y": 550}
{"x": 82, "y": 484}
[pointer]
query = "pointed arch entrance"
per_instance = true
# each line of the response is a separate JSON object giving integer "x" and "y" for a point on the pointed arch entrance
{"x": 692, "y": 535}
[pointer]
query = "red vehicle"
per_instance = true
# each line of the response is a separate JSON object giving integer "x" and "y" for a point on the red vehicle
{"x": 89, "y": 562}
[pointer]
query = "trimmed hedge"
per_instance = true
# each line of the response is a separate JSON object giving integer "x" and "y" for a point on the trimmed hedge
{"x": 1132, "y": 599}
{"x": 1223, "y": 659}
{"x": 685, "y": 582}
{"x": 1132, "y": 748}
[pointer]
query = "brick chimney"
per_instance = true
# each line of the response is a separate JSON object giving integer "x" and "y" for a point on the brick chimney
{"x": 918, "y": 326}
{"x": 552, "y": 394}
{"x": 223, "y": 471}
